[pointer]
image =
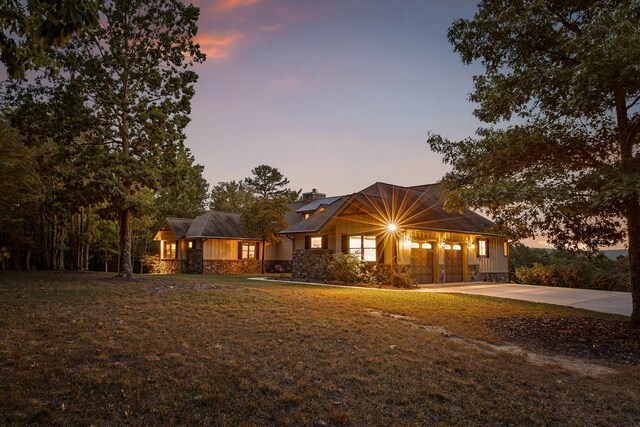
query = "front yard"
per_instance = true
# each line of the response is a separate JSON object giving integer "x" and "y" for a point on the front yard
{"x": 90, "y": 349}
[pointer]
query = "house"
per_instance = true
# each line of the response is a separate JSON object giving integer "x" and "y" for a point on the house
{"x": 215, "y": 243}
{"x": 386, "y": 225}
{"x": 390, "y": 226}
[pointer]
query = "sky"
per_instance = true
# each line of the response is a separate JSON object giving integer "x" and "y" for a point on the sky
{"x": 336, "y": 94}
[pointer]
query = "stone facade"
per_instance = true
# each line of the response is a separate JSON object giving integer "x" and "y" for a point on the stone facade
{"x": 275, "y": 266}
{"x": 231, "y": 266}
{"x": 441, "y": 276}
{"x": 170, "y": 266}
{"x": 193, "y": 263}
{"x": 473, "y": 272}
{"x": 495, "y": 277}
{"x": 311, "y": 263}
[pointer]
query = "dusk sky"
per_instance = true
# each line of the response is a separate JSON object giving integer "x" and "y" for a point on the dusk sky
{"x": 335, "y": 94}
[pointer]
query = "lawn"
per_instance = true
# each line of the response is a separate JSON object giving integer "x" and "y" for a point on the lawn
{"x": 220, "y": 350}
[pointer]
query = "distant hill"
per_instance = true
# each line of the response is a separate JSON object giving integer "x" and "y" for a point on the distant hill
{"x": 615, "y": 253}
{"x": 609, "y": 253}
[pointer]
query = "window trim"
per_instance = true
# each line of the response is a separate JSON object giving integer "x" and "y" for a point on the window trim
{"x": 486, "y": 248}
{"x": 248, "y": 245}
{"x": 362, "y": 248}
{"x": 505, "y": 248}
{"x": 173, "y": 250}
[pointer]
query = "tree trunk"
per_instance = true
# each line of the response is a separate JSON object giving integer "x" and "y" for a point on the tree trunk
{"x": 633, "y": 224}
{"x": 106, "y": 262}
{"x": 263, "y": 253}
{"x": 125, "y": 266}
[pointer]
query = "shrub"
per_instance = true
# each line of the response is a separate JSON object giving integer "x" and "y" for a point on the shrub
{"x": 397, "y": 276}
{"x": 152, "y": 262}
{"x": 345, "y": 267}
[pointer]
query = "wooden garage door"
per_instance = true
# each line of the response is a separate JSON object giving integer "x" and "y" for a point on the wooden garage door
{"x": 452, "y": 266}
{"x": 422, "y": 265}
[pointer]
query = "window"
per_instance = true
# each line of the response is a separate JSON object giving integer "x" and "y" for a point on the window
{"x": 169, "y": 249}
{"x": 316, "y": 243}
{"x": 307, "y": 215}
{"x": 190, "y": 244}
{"x": 505, "y": 248}
{"x": 363, "y": 246}
{"x": 248, "y": 251}
{"x": 483, "y": 248}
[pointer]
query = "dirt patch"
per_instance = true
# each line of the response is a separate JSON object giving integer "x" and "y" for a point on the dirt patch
{"x": 569, "y": 363}
{"x": 191, "y": 287}
{"x": 587, "y": 338}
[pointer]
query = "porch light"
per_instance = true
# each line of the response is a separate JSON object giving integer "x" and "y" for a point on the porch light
{"x": 426, "y": 246}
{"x": 457, "y": 248}
{"x": 392, "y": 227}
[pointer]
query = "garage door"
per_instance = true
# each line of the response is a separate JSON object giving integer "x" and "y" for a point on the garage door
{"x": 422, "y": 265}
{"x": 452, "y": 266}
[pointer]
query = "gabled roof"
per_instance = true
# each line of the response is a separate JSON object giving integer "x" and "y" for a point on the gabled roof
{"x": 415, "y": 207}
{"x": 217, "y": 224}
{"x": 312, "y": 206}
{"x": 179, "y": 226}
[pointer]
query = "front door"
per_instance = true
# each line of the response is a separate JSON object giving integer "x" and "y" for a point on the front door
{"x": 422, "y": 265}
{"x": 452, "y": 266}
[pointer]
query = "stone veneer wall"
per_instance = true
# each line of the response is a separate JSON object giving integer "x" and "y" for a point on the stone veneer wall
{"x": 231, "y": 266}
{"x": 495, "y": 277}
{"x": 170, "y": 266}
{"x": 311, "y": 263}
{"x": 193, "y": 263}
{"x": 473, "y": 272}
{"x": 270, "y": 266}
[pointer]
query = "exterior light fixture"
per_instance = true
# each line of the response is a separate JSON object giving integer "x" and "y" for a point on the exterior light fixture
{"x": 392, "y": 227}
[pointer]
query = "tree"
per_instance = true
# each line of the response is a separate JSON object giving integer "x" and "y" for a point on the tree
{"x": 569, "y": 169}
{"x": 28, "y": 29}
{"x": 133, "y": 71}
{"x": 263, "y": 216}
{"x": 230, "y": 196}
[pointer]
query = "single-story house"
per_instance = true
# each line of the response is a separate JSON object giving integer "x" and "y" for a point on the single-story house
{"x": 385, "y": 225}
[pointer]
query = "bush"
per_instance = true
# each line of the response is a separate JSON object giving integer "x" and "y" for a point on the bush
{"x": 345, "y": 267}
{"x": 397, "y": 276}
{"x": 152, "y": 262}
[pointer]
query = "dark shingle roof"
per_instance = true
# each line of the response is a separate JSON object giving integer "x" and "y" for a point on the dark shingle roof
{"x": 312, "y": 206}
{"x": 411, "y": 207}
{"x": 179, "y": 226}
{"x": 217, "y": 224}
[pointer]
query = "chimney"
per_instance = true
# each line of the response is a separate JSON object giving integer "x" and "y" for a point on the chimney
{"x": 312, "y": 195}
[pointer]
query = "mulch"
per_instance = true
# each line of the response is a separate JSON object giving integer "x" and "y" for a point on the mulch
{"x": 586, "y": 338}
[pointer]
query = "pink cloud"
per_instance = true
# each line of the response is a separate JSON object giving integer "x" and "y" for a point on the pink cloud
{"x": 217, "y": 46}
{"x": 227, "y": 5}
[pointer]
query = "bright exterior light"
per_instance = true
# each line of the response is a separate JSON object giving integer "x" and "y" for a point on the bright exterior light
{"x": 392, "y": 227}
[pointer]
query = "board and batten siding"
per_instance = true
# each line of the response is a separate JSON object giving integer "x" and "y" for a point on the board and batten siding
{"x": 220, "y": 249}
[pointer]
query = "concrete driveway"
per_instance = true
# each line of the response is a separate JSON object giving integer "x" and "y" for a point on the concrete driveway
{"x": 602, "y": 301}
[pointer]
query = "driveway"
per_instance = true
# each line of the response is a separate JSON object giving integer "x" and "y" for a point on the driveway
{"x": 602, "y": 301}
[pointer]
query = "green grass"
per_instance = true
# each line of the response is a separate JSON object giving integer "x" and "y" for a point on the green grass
{"x": 87, "y": 349}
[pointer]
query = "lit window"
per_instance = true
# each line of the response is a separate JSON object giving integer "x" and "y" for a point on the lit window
{"x": 505, "y": 248}
{"x": 483, "y": 248}
{"x": 415, "y": 245}
{"x": 426, "y": 246}
{"x": 457, "y": 248}
{"x": 316, "y": 243}
{"x": 190, "y": 244}
{"x": 447, "y": 247}
{"x": 364, "y": 247}
{"x": 169, "y": 251}
{"x": 247, "y": 251}
{"x": 307, "y": 215}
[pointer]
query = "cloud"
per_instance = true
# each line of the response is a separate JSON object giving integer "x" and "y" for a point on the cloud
{"x": 217, "y": 46}
{"x": 269, "y": 28}
{"x": 227, "y": 5}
